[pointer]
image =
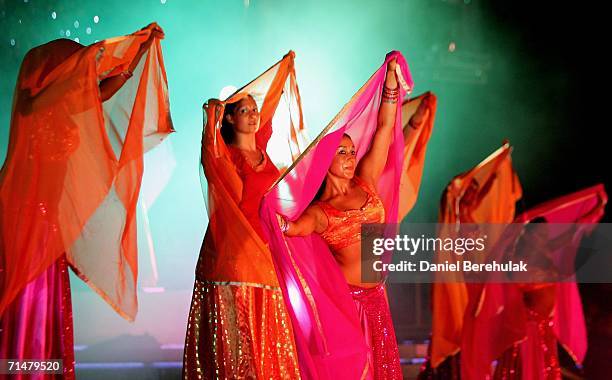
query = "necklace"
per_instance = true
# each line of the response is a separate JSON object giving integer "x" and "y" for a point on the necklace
{"x": 248, "y": 157}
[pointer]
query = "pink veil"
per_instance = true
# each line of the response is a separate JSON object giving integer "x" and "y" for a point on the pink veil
{"x": 503, "y": 310}
{"x": 584, "y": 206}
{"x": 325, "y": 322}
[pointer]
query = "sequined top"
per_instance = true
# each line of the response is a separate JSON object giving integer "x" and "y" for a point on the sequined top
{"x": 344, "y": 227}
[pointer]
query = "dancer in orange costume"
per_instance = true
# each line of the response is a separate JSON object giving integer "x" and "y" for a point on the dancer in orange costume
{"x": 70, "y": 183}
{"x": 485, "y": 194}
{"x": 238, "y": 323}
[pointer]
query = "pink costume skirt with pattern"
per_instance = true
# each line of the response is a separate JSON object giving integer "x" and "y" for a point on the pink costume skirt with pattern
{"x": 38, "y": 323}
{"x": 378, "y": 329}
{"x": 534, "y": 358}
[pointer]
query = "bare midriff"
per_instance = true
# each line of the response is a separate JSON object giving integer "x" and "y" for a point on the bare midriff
{"x": 343, "y": 233}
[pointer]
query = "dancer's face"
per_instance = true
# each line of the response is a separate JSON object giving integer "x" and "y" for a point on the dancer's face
{"x": 344, "y": 162}
{"x": 245, "y": 118}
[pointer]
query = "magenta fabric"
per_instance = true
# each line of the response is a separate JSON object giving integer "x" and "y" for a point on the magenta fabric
{"x": 377, "y": 326}
{"x": 503, "y": 319}
{"x": 37, "y": 324}
{"x": 326, "y": 325}
{"x": 569, "y": 322}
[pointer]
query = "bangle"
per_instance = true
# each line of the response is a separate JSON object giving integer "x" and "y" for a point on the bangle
{"x": 390, "y": 91}
{"x": 390, "y": 95}
{"x": 127, "y": 74}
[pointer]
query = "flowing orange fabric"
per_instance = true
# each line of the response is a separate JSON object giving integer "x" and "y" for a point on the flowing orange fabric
{"x": 239, "y": 326}
{"x": 229, "y": 234}
{"x": 415, "y": 147}
{"x": 495, "y": 189}
{"x": 239, "y": 331}
{"x": 72, "y": 175}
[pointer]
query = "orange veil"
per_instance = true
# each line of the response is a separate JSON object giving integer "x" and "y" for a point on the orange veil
{"x": 415, "y": 147}
{"x": 72, "y": 175}
{"x": 229, "y": 234}
{"x": 497, "y": 205}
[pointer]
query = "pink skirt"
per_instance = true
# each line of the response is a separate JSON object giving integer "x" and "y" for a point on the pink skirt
{"x": 38, "y": 323}
{"x": 378, "y": 329}
{"x": 535, "y": 357}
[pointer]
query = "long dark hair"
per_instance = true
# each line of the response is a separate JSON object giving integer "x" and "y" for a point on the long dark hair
{"x": 227, "y": 128}
{"x": 321, "y": 189}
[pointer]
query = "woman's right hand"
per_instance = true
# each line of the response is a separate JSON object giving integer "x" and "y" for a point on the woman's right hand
{"x": 283, "y": 223}
{"x": 156, "y": 30}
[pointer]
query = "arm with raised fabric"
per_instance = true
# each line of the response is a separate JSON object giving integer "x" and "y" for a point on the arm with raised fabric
{"x": 312, "y": 220}
{"x": 109, "y": 86}
{"x": 373, "y": 162}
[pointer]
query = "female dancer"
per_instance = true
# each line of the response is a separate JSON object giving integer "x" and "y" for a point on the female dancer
{"x": 486, "y": 193}
{"x": 347, "y": 199}
{"x": 59, "y": 175}
{"x": 553, "y": 310}
{"x": 238, "y": 323}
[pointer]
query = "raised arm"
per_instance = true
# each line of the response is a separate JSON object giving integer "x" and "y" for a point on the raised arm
{"x": 110, "y": 86}
{"x": 373, "y": 162}
{"x": 312, "y": 220}
{"x": 484, "y": 190}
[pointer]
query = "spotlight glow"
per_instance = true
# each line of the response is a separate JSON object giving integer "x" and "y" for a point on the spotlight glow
{"x": 227, "y": 91}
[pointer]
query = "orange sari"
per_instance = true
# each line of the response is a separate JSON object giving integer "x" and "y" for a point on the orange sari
{"x": 455, "y": 302}
{"x": 238, "y": 323}
{"x": 416, "y": 138}
{"x": 70, "y": 183}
